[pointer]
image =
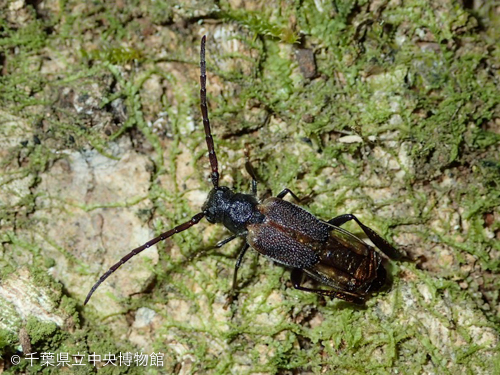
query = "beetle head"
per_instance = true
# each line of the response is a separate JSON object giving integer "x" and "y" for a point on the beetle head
{"x": 217, "y": 204}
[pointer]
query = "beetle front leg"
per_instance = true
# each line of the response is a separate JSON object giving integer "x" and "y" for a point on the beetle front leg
{"x": 379, "y": 242}
{"x": 286, "y": 191}
{"x": 251, "y": 171}
{"x": 218, "y": 245}
{"x": 224, "y": 241}
{"x": 297, "y": 276}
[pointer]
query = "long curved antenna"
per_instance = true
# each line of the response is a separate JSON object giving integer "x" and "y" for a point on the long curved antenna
{"x": 204, "y": 114}
{"x": 194, "y": 220}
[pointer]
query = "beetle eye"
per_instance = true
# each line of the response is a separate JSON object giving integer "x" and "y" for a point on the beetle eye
{"x": 210, "y": 217}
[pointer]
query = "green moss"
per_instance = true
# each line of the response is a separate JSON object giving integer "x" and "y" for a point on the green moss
{"x": 263, "y": 23}
{"x": 7, "y": 339}
{"x": 118, "y": 56}
{"x": 70, "y": 308}
{"x": 41, "y": 331}
{"x": 47, "y": 283}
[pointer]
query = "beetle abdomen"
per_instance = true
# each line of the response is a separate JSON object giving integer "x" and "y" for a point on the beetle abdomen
{"x": 341, "y": 266}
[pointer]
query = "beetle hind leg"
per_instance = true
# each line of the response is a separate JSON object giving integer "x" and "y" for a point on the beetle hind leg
{"x": 296, "y": 278}
{"x": 379, "y": 242}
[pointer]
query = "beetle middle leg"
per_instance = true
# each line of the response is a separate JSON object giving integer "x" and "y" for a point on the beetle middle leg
{"x": 297, "y": 276}
{"x": 379, "y": 242}
{"x": 230, "y": 298}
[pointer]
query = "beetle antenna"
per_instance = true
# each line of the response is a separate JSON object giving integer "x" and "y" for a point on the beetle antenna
{"x": 204, "y": 113}
{"x": 180, "y": 228}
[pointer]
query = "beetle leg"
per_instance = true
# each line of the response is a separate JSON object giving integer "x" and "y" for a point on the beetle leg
{"x": 286, "y": 191}
{"x": 218, "y": 245}
{"x": 296, "y": 278}
{"x": 382, "y": 244}
{"x": 238, "y": 264}
{"x": 224, "y": 241}
{"x": 230, "y": 298}
{"x": 251, "y": 171}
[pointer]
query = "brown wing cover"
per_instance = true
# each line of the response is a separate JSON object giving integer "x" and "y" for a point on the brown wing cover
{"x": 295, "y": 238}
{"x": 290, "y": 217}
{"x": 289, "y": 235}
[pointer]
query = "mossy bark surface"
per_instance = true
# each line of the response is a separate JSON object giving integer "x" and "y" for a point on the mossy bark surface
{"x": 387, "y": 109}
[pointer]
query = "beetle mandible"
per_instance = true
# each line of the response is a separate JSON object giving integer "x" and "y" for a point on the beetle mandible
{"x": 285, "y": 233}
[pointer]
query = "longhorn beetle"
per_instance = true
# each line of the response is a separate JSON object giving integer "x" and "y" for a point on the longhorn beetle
{"x": 285, "y": 233}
